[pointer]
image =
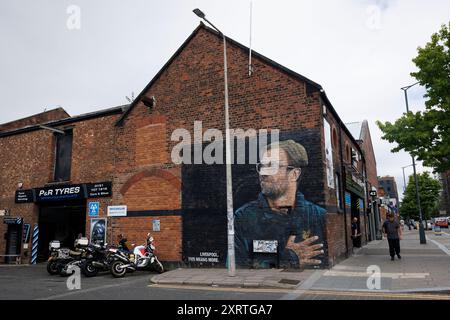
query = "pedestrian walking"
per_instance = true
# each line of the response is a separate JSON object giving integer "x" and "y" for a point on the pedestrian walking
{"x": 393, "y": 233}
{"x": 356, "y": 235}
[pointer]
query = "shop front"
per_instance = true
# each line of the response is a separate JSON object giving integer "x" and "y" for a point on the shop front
{"x": 354, "y": 201}
{"x": 61, "y": 211}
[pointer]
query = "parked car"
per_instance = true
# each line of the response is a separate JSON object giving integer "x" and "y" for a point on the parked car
{"x": 441, "y": 222}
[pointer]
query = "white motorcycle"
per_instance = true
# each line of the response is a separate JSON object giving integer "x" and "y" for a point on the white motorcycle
{"x": 142, "y": 258}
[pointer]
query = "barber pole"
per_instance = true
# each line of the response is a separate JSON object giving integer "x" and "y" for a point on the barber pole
{"x": 34, "y": 248}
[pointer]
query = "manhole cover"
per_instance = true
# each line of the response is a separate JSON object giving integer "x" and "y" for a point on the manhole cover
{"x": 289, "y": 281}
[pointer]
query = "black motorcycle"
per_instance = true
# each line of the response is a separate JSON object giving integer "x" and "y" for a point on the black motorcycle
{"x": 63, "y": 260}
{"x": 58, "y": 258}
{"x": 98, "y": 258}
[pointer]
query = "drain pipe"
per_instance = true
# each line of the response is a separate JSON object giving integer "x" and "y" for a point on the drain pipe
{"x": 343, "y": 183}
{"x": 366, "y": 200}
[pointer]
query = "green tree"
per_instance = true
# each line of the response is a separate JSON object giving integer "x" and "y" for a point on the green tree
{"x": 429, "y": 191}
{"x": 426, "y": 134}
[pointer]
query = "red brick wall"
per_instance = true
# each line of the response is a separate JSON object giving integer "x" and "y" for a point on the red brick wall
{"x": 191, "y": 89}
{"x": 43, "y": 117}
{"x": 29, "y": 158}
{"x": 336, "y": 236}
{"x": 336, "y": 221}
{"x": 92, "y": 150}
{"x": 23, "y": 158}
{"x": 167, "y": 241}
{"x": 146, "y": 180}
{"x": 154, "y": 192}
{"x": 136, "y": 156}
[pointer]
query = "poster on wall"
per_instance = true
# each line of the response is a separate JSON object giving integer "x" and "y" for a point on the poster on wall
{"x": 26, "y": 233}
{"x": 361, "y": 206}
{"x": 348, "y": 200}
{"x": 329, "y": 154}
{"x": 98, "y": 231}
{"x": 274, "y": 203}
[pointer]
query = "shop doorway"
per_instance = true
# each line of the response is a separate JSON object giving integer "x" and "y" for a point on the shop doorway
{"x": 356, "y": 208}
{"x": 60, "y": 221}
{"x": 356, "y": 213}
{"x": 13, "y": 241}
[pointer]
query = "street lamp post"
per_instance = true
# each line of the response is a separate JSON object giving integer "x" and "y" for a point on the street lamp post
{"x": 423, "y": 239}
{"x": 230, "y": 211}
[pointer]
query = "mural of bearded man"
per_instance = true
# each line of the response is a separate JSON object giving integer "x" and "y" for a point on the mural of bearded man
{"x": 281, "y": 214}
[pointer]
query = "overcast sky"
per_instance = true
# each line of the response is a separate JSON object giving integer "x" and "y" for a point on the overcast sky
{"x": 360, "y": 51}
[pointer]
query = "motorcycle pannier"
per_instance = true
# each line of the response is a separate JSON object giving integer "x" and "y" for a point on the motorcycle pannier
{"x": 82, "y": 242}
{"x": 54, "y": 244}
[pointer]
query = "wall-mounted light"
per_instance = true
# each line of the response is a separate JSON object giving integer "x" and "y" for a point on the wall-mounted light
{"x": 149, "y": 102}
{"x": 20, "y": 185}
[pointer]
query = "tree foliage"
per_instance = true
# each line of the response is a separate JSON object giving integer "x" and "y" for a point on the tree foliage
{"x": 429, "y": 191}
{"x": 426, "y": 134}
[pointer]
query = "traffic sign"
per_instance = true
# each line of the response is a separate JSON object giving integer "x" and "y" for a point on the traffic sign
{"x": 94, "y": 209}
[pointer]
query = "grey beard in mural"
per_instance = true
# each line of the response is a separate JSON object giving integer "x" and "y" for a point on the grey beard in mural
{"x": 280, "y": 215}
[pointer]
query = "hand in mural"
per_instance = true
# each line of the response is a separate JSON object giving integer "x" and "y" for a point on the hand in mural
{"x": 306, "y": 250}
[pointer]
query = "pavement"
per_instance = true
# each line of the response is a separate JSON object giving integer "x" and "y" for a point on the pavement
{"x": 245, "y": 278}
{"x": 423, "y": 268}
{"x": 422, "y": 274}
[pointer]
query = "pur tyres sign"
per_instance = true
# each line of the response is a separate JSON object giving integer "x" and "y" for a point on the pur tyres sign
{"x": 59, "y": 193}
{"x": 65, "y": 192}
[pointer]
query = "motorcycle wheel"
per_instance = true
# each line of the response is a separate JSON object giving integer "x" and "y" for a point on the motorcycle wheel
{"x": 89, "y": 270}
{"x": 158, "y": 266}
{"x": 65, "y": 272}
{"x": 60, "y": 268}
{"x": 52, "y": 267}
{"x": 116, "y": 269}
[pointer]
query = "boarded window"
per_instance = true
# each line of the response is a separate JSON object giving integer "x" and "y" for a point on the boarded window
{"x": 63, "y": 156}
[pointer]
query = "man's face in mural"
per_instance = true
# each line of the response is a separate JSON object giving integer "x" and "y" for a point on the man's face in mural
{"x": 276, "y": 177}
{"x": 281, "y": 213}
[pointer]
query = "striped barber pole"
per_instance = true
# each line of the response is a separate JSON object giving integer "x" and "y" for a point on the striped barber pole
{"x": 34, "y": 248}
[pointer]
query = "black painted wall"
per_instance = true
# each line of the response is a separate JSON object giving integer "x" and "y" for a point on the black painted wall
{"x": 204, "y": 197}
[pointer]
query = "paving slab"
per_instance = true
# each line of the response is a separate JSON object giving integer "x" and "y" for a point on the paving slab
{"x": 422, "y": 267}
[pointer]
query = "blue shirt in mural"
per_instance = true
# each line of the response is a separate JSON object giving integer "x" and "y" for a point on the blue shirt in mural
{"x": 256, "y": 221}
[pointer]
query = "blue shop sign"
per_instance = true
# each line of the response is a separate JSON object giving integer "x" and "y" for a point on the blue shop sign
{"x": 93, "y": 209}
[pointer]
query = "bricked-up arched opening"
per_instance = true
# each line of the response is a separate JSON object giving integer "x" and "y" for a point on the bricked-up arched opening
{"x": 334, "y": 139}
{"x": 155, "y": 172}
{"x": 153, "y": 195}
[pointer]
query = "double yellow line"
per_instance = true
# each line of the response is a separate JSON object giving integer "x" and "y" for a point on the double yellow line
{"x": 305, "y": 293}
{"x": 386, "y": 295}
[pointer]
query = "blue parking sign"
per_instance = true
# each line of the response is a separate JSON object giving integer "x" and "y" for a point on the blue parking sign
{"x": 93, "y": 209}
